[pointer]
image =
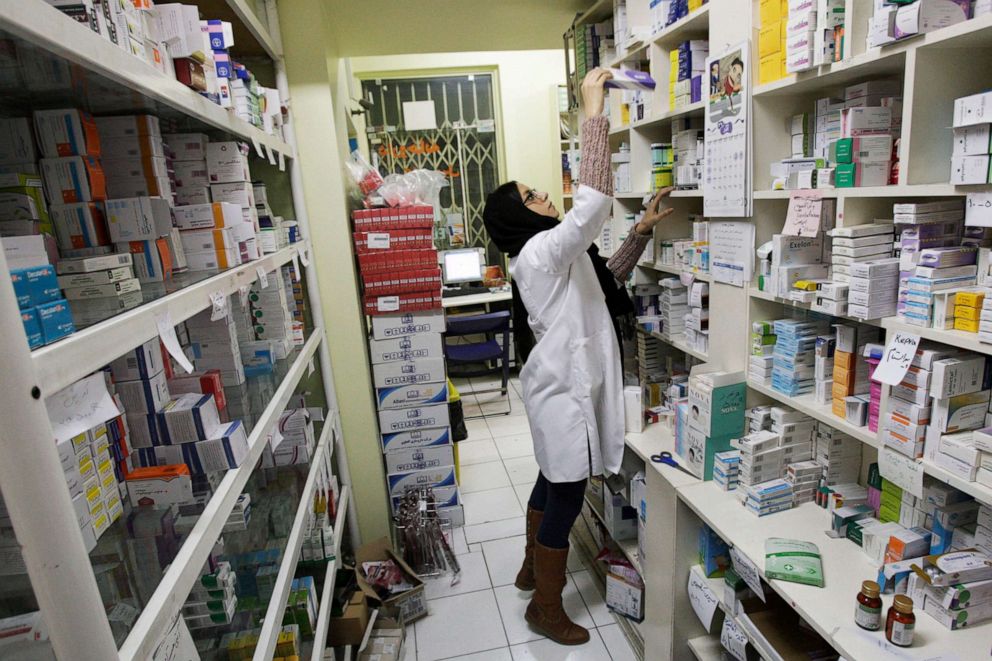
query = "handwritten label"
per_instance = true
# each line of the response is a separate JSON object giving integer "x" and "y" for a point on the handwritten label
{"x": 81, "y": 406}
{"x": 167, "y": 333}
{"x": 282, "y": 162}
{"x": 734, "y": 640}
{"x": 803, "y": 217}
{"x": 176, "y": 644}
{"x": 898, "y": 356}
{"x": 263, "y": 278}
{"x": 704, "y": 601}
{"x": 901, "y": 470}
{"x": 378, "y": 240}
{"x": 257, "y": 145}
{"x": 305, "y": 255}
{"x": 271, "y": 154}
{"x": 978, "y": 210}
{"x": 388, "y": 303}
{"x": 748, "y": 571}
{"x": 220, "y": 305}
{"x": 296, "y": 267}
{"x": 243, "y": 294}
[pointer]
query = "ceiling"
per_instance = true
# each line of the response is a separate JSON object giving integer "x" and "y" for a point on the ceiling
{"x": 397, "y": 27}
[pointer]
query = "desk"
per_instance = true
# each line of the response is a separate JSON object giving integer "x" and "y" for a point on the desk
{"x": 475, "y": 299}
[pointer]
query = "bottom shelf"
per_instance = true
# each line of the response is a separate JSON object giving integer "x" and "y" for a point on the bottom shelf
{"x": 706, "y": 648}
{"x": 627, "y": 546}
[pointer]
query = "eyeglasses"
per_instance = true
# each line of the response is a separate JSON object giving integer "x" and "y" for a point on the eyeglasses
{"x": 534, "y": 196}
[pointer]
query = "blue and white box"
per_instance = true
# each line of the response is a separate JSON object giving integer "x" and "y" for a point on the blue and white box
{"x": 187, "y": 418}
{"x": 393, "y": 421}
{"x": 399, "y": 483}
{"x": 140, "y": 363}
{"x": 413, "y": 395}
{"x": 410, "y": 459}
{"x": 144, "y": 395}
{"x": 416, "y": 439}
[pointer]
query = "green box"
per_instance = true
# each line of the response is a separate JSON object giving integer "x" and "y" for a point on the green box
{"x": 30, "y": 185}
{"x": 845, "y": 175}
{"x": 695, "y": 450}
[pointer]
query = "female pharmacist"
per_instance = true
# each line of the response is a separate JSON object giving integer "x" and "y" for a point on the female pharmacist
{"x": 572, "y": 381}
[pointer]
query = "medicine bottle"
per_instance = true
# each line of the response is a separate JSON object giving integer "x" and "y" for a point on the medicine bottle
{"x": 868, "y": 614}
{"x": 900, "y": 621}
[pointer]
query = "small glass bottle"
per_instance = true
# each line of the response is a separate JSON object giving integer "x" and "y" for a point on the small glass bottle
{"x": 868, "y": 614}
{"x": 900, "y": 621}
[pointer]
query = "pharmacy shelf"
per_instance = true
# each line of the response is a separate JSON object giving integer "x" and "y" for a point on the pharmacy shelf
{"x": 251, "y": 36}
{"x": 272, "y": 624}
{"x": 828, "y": 609}
{"x": 765, "y": 296}
{"x": 85, "y": 351}
{"x": 327, "y": 595}
{"x": 822, "y": 412}
{"x": 909, "y": 190}
{"x": 689, "y": 192}
{"x": 680, "y": 346}
{"x": 706, "y": 648}
{"x": 627, "y": 546}
{"x": 693, "y": 26}
{"x": 638, "y": 53}
{"x": 657, "y": 438}
{"x": 186, "y": 568}
{"x": 979, "y": 491}
{"x": 682, "y": 111}
{"x": 677, "y": 270}
{"x": 954, "y": 338}
{"x": 631, "y": 195}
{"x": 600, "y": 10}
{"x": 113, "y": 81}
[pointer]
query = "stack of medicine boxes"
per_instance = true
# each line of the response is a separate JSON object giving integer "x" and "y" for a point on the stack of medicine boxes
{"x": 189, "y": 163}
{"x": 133, "y": 157}
{"x": 794, "y": 357}
{"x": 99, "y": 287}
{"x": 697, "y": 319}
{"x": 673, "y": 306}
{"x": 850, "y": 371}
{"x": 972, "y": 144}
{"x": 44, "y": 313}
{"x": 716, "y": 415}
{"x": 771, "y": 40}
{"x": 761, "y": 360}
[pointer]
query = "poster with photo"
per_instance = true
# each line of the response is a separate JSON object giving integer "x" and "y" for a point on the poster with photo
{"x": 726, "y": 172}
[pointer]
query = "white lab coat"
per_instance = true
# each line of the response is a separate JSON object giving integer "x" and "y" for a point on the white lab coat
{"x": 572, "y": 381}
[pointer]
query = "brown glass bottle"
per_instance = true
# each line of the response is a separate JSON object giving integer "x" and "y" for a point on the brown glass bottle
{"x": 900, "y": 621}
{"x": 868, "y": 614}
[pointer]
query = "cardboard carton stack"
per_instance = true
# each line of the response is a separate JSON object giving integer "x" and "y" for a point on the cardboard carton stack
{"x": 715, "y": 416}
{"x": 408, "y": 371}
{"x": 972, "y": 146}
{"x": 674, "y": 305}
{"x": 691, "y": 59}
{"x": 838, "y": 453}
{"x": 189, "y": 162}
{"x": 851, "y": 386}
{"x": 772, "y": 40}
{"x": 857, "y": 244}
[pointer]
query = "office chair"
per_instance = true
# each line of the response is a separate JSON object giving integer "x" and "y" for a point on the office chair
{"x": 485, "y": 352}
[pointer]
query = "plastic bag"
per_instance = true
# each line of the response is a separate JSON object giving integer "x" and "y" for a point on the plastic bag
{"x": 414, "y": 187}
{"x": 365, "y": 176}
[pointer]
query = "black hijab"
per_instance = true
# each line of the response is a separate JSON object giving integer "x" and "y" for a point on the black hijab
{"x": 511, "y": 225}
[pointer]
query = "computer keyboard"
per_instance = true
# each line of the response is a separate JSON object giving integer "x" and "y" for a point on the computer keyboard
{"x": 464, "y": 291}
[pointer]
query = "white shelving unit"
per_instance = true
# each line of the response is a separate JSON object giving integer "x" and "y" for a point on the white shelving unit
{"x": 106, "y": 80}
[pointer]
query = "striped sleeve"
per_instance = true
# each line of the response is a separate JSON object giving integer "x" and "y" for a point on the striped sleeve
{"x": 594, "y": 164}
{"x": 623, "y": 261}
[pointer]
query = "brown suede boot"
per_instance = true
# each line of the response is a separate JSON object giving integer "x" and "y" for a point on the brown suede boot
{"x": 545, "y": 611}
{"x": 525, "y": 577}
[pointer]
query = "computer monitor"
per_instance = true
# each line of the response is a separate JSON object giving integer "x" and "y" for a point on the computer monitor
{"x": 462, "y": 265}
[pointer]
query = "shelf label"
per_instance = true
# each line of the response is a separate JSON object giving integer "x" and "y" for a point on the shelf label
{"x": 803, "y": 217}
{"x": 80, "y": 406}
{"x": 311, "y": 368}
{"x": 167, "y": 333}
{"x": 296, "y": 267}
{"x": 176, "y": 643}
{"x": 748, "y": 571}
{"x": 704, "y": 601}
{"x": 388, "y": 303}
{"x": 901, "y": 470}
{"x": 282, "y": 162}
{"x": 271, "y": 154}
{"x": 304, "y": 255}
{"x": 220, "y": 305}
{"x": 243, "y": 293}
{"x": 898, "y": 356}
{"x": 257, "y": 145}
{"x": 378, "y": 240}
{"x": 263, "y": 278}
{"x": 733, "y": 639}
{"x": 978, "y": 210}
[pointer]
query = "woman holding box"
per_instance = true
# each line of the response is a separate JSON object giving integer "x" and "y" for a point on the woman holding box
{"x": 572, "y": 381}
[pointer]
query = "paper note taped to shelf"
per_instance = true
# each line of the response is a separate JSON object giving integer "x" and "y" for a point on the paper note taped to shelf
{"x": 734, "y": 640}
{"x": 271, "y": 154}
{"x": 167, "y": 333}
{"x": 304, "y": 255}
{"x": 81, "y": 406}
{"x": 263, "y": 278}
{"x": 282, "y": 162}
{"x": 903, "y": 471}
{"x": 748, "y": 571}
{"x": 176, "y": 644}
{"x": 898, "y": 356}
{"x": 731, "y": 251}
{"x": 258, "y": 146}
{"x": 220, "y": 305}
{"x": 296, "y": 267}
{"x": 978, "y": 210}
{"x": 243, "y": 294}
{"x": 803, "y": 217}
{"x": 704, "y": 601}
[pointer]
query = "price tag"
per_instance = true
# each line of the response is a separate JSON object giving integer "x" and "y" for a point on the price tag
{"x": 687, "y": 278}
{"x": 901, "y": 470}
{"x": 80, "y": 406}
{"x": 378, "y": 240}
{"x": 803, "y": 217}
{"x": 258, "y": 146}
{"x": 271, "y": 155}
{"x": 388, "y": 303}
{"x": 275, "y": 438}
{"x": 263, "y": 277}
{"x": 305, "y": 255}
{"x": 734, "y": 640}
{"x": 243, "y": 293}
{"x": 978, "y": 210}
{"x": 898, "y": 356}
{"x": 221, "y": 305}
{"x": 167, "y": 333}
{"x": 748, "y": 571}
{"x": 282, "y": 162}
{"x": 311, "y": 368}
{"x": 296, "y": 267}
{"x": 704, "y": 601}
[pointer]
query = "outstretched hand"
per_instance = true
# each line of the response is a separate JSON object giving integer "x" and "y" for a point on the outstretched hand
{"x": 652, "y": 216}
{"x": 593, "y": 92}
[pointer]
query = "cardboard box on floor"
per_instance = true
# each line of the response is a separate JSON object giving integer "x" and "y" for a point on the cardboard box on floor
{"x": 349, "y": 628}
{"x": 412, "y": 604}
{"x": 385, "y": 638}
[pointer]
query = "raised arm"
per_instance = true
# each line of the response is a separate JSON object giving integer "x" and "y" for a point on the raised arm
{"x": 623, "y": 261}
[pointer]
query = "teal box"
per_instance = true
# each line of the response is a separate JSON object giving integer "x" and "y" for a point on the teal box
{"x": 56, "y": 320}
{"x": 696, "y": 451}
{"x": 35, "y": 285}
{"x": 32, "y": 328}
{"x": 717, "y": 410}
{"x": 714, "y": 554}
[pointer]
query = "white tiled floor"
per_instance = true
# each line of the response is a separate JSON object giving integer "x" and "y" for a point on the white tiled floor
{"x": 482, "y": 617}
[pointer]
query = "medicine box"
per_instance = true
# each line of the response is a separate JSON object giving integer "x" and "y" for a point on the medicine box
{"x": 856, "y": 122}
{"x": 958, "y": 376}
{"x": 796, "y": 250}
{"x": 973, "y": 140}
{"x": 412, "y": 323}
{"x": 227, "y": 162}
{"x": 144, "y": 395}
{"x": 73, "y": 179}
{"x": 405, "y": 348}
{"x": 187, "y": 146}
{"x": 399, "y": 483}
{"x": 91, "y": 264}
{"x": 96, "y": 277}
{"x": 106, "y": 290}
{"x": 35, "y": 285}
{"x": 412, "y": 395}
{"x": 967, "y": 170}
{"x": 152, "y": 259}
{"x": 417, "y": 459}
{"x": 79, "y": 225}
{"x": 393, "y": 421}
{"x": 416, "y": 439}
{"x": 186, "y": 418}
{"x": 138, "y": 219}
{"x": 68, "y": 132}
{"x": 32, "y": 328}
{"x": 139, "y": 363}
{"x": 55, "y": 319}
{"x": 160, "y": 486}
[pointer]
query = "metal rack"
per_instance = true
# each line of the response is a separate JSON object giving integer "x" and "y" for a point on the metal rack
{"x": 105, "y": 78}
